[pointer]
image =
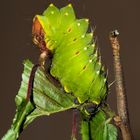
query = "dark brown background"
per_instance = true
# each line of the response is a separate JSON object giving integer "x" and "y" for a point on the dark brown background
{"x": 16, "y": 45}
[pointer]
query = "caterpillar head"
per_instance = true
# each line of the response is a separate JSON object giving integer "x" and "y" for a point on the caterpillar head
{"x": 48, "y": 28}
{"x": 38, "y": 34}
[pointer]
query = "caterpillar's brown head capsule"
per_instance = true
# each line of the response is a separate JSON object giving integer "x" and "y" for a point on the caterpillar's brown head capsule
{"x": 38, "y": 35}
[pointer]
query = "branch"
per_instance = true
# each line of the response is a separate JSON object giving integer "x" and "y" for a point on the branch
{"x": 122, "y": 121}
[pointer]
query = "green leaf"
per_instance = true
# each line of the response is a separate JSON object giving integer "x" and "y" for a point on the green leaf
{"x": 98, "y": 128}
{"x": 24, "y": 107}
{"x": 85, "y": 130}
{"x": 48, "y": 99}
{"x": 45, "y": 100}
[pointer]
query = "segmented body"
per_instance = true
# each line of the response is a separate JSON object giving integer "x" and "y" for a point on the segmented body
{"x": 75, "y": 61}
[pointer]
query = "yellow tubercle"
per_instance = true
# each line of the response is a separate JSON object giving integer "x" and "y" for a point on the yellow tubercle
{"x": 70, "y": 5}
{"x": 51, "y": 5}
{"x": 91, "y": 34}
{"x": 93, "y": 45}
{"x": 87, "y": 20}
{"x": 66, "y": 14}
{"x": 52, "y": 12}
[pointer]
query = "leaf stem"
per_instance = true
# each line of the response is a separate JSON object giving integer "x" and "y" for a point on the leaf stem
{"x": 123, "y": 119}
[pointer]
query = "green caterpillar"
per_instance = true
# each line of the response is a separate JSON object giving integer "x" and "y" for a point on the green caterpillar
{"x": 75, "y": 61}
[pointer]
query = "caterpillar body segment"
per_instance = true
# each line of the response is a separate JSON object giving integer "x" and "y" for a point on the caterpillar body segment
{"x": 75, "y": 60}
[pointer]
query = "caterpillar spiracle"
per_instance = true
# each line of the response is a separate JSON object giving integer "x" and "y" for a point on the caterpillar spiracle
{"x": 75, "y": 62}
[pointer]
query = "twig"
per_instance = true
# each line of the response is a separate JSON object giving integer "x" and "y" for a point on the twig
{"x": 123, "y": 119}
{"x": 74, "y": 125}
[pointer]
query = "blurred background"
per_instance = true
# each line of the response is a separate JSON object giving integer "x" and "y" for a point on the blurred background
{"x": 16, "y": 45}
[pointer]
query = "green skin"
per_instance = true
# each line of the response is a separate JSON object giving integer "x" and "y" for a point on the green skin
{"x": 75, "y": 62}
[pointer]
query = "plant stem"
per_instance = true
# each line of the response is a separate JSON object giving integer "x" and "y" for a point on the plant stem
{"x": 74, "y": 125}
{"x": 123, "y": 119}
